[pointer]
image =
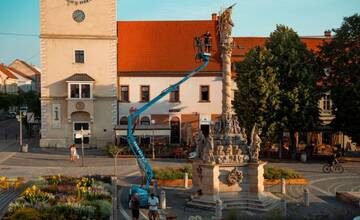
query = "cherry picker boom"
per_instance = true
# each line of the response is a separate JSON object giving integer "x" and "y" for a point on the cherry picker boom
{"x": 143, "y": 191}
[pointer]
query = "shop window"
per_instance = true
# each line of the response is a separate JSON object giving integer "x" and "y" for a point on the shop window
{"x": 145, "y": 121}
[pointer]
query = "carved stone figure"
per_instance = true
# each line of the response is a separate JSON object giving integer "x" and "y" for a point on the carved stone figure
{"x": 255, "y": 145}
{"x": 220, "y": 154}
{"x": 235, "y": 176}
{"x": 200, "y": 142}
{"x": 243, "y": 134}
{"x": 237, "y": 154}
{"x": 229, "y": 154}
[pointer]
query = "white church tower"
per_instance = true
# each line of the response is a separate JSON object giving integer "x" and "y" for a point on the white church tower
{"x": 79, "y": 71}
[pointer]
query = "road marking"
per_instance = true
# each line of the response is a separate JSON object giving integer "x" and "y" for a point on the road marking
{"x": 320, "y": 190}
{"x": 122, "y": 210}
{"x": 132, "y": 174}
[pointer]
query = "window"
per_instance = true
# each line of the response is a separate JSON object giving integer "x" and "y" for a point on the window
{"x": 123, "y": 120}
{"x": 204, "y": 94}
{"x": 175, "y": 95}
{"x": 326, "y": 103}
{"x": 124, "y": 93}
{"x": 145, "y": 94}
{"x": 145, "y": 121}
{"x": 77, "y": 127}
{"x": 79, "y": 56}
{"x": 80, "y": 90}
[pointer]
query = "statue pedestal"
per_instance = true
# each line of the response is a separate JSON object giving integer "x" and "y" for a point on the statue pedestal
{"x": 238, "y": 185}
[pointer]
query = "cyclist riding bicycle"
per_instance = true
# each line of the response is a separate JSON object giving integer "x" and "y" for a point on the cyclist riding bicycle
{"x": 333, "y": 159}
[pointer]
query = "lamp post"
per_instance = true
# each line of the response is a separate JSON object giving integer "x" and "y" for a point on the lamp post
{"x": 153, "y": 139}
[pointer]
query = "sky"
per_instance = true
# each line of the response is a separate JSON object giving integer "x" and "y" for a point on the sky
{"x": 251, "y": 18}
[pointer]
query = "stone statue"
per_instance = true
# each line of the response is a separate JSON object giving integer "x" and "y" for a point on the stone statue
{"x": 255, "y": 145}
{"x": 200, "y": 142}
{"x": 237, "y": 154}
{"x": 220, "y": 154}
{"x": 189, "y": 138}
{"x": 243, "y": 134}
{"x": 237, "y": 128}
{"x": 235, "y": 176}
{"x": 229, "y": 154}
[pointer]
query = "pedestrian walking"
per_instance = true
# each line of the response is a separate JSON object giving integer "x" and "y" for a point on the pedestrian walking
{"x": 135, "y": 207}
{"x": 153, "y": 207}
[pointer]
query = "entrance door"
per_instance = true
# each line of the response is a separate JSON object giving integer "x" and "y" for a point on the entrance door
{"x": 205, "y": 130}
{"x": 77, "y": 127}
{"x": 175, "y": 130}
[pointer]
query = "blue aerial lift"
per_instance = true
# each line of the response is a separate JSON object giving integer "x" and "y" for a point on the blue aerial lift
{"x": 143, "y": 191}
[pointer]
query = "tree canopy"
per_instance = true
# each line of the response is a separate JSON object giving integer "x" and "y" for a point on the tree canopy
{"x": 277, "y": 85}
{"x": 341, "y": 57}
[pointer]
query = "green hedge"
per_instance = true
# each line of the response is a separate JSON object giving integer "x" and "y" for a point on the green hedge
{"x": 172, "y": 173}
{"x": 278, "y": 173}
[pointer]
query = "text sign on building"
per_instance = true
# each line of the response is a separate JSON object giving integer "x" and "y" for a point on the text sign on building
{"x": 56, "y": 116}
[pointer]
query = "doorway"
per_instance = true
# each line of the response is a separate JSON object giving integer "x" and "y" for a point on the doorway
{"x": 175, "y": 130}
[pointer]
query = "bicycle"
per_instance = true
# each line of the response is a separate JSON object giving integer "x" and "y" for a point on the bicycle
{"x": 335, "y": 167}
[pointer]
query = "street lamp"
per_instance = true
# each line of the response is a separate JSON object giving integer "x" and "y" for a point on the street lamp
{"x": 153, "y": 139}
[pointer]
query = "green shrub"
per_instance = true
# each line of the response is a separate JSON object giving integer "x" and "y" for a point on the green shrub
{"x": 278, "y": 173}
{"x": 172, "y": 173}
{"x": 103, "y": 208}
{"x": 26, "y": 214}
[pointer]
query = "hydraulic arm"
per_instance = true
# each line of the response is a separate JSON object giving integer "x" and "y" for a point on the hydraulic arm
{"x": 141, "y": 160}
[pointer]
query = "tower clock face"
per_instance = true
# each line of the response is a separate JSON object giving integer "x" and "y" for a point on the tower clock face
{"x": 77, "y": 1}
{"x": 79, "y": 16}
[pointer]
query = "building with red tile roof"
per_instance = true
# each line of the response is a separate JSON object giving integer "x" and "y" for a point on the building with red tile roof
{"x": 163, "y": 46}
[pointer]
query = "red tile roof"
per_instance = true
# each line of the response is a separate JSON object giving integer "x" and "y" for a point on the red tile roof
{"x": 163, "y": 46}
{"x": 244, "y": 44}
{"x": 5, "y": 70}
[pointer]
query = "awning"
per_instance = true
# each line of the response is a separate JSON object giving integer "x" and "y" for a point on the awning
{"x": 144, "y": 130}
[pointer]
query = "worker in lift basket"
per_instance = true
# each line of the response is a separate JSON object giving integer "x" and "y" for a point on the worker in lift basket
{"x": 207, "y": 42}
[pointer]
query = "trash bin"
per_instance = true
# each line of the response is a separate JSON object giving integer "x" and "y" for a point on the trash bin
{"x": 25, "y": 148}
{"x": 303, "y": 157}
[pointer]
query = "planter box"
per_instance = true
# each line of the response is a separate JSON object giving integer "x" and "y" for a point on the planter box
{"x": 300, "y": 181}
{"x": 174, "y": 183}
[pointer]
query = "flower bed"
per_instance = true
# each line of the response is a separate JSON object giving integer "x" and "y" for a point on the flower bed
{"x": 60, "y": 197}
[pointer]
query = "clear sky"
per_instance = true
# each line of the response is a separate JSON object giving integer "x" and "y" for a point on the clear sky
{"x": 251, "y": 17}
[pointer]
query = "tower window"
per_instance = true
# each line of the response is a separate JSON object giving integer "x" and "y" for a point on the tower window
{"x": 79, "y": 56}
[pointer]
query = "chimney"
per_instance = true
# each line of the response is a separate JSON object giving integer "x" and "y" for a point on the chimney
{"x": 214, "y": 16}
{"x": 327, "y": 33}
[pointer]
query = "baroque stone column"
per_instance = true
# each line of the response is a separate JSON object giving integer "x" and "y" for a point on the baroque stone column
{"x": 226, "y": 43}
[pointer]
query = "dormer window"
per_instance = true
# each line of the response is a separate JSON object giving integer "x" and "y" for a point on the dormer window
{"x": 80, "y": 90}
{"x": 80, "y": 86}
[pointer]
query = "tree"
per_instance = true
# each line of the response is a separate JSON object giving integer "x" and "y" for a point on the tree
{"x": 341, "y": 57}
{"x": 256, "y": 100}
{"x": 285, "y": 72}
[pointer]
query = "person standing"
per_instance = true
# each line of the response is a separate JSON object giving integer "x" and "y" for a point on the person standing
{"x": 153, "y": 207}
{"x": 135, "y": 207}
{"x": 73, "y": 153}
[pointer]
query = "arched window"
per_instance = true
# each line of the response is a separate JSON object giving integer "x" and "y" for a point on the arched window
{"x": 145, "y": 121}
{"x": 123, "y": 120}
